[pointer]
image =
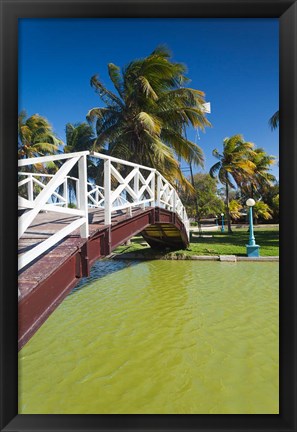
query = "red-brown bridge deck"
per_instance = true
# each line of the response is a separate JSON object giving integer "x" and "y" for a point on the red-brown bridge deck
{"x": 45, "y": 282}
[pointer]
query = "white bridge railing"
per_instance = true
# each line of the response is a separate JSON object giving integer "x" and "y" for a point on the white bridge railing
{"x": 125, "y": 186}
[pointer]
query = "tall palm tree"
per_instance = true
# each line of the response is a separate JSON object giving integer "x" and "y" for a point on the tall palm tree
{"x": 144, "y": 120}
{"x": 274, "y": 120}
{"x": 234, "y": 165}
{"x": 261, "y": 178}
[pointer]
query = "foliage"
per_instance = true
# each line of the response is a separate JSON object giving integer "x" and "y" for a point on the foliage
{"x": 209, "y": 203}
{"x": 270, "y": 196}
{"x": 275, "y": 202}
{"x": 145, "y": 120}
{"x": 234, "y": 208}
{"x": 71, "y": 205}
{"x": 261, "y": 211}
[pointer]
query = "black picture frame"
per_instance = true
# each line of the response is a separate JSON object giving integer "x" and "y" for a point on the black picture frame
{"x": 11, "y": 11}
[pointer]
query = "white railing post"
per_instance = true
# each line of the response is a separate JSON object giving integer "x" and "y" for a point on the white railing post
{"x": 136, "y": 184}
{"x": 83, "y": 195}
{"x": 77, "y": 193}
{"x": 107, "y": 192}
{"x": 30, "y": 188}
{"x": 174, "y": 201}
{"x": 97, "y": 195}
{"x": 153, "y": 187}
{"x": 159, "y": 185}
{"x": 65, "y": 192}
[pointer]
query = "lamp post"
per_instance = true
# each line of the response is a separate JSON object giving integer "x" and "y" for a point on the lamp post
{"x": 222, "y": 214}
{"x": 252, "y": 249}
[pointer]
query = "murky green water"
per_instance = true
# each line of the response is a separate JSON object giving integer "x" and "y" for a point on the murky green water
{"x": 166, "y": 337}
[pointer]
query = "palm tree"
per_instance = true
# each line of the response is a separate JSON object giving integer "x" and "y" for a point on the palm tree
{"x": 79, "y": 137}
{"x": 261, "y": 177}
{"x": 262, "y": 210}
{"x": 36, "y": 137}
{"x": 144, "y": 120}
{"x": 274, "y": 120}
{"x": 234, "y": 165}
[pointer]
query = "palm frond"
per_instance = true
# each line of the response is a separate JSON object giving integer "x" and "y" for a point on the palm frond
{"x": 150, "y": 123}
{"x": 105, "y": 95}
{"x": 146, "y": 88}
{"x": 215, "y": 169}
{"x": 216, "y": 154}
{"x": 274, "y": 120}
{"x": 115, "y": 76}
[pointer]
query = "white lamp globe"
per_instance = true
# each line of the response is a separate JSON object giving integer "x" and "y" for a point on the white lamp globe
{"x": 250, "y": 202}
{"x": 222, "y": 214}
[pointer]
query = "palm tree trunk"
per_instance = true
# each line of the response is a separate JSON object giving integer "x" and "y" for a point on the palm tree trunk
{"x": 227, "y": 208}
{"x": 196, "y": 197}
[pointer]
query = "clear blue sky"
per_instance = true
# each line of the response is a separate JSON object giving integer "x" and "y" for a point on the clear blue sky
{"x": 234, "y": 61}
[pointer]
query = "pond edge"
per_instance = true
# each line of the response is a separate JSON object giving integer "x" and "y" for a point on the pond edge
{"x": 225, "y": 258}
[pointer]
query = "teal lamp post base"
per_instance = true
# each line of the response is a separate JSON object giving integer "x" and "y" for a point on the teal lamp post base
{"x": 253, "y": 251}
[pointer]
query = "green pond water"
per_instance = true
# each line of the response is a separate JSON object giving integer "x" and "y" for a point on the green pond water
{"x": 168, "y": 337}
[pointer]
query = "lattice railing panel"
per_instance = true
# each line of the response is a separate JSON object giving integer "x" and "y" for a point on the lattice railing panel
{"x": 125, "y": 186}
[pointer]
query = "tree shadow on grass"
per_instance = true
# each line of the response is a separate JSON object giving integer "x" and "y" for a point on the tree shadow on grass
{"x": 264, "y": 238}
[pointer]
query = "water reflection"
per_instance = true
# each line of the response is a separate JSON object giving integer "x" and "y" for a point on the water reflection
{"x": 102, "y": 268}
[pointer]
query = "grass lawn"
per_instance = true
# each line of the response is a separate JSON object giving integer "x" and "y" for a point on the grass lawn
{"x": 218, "y": 244}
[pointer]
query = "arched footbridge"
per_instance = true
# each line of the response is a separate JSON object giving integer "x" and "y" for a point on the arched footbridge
{"x": 59, "y": 241}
